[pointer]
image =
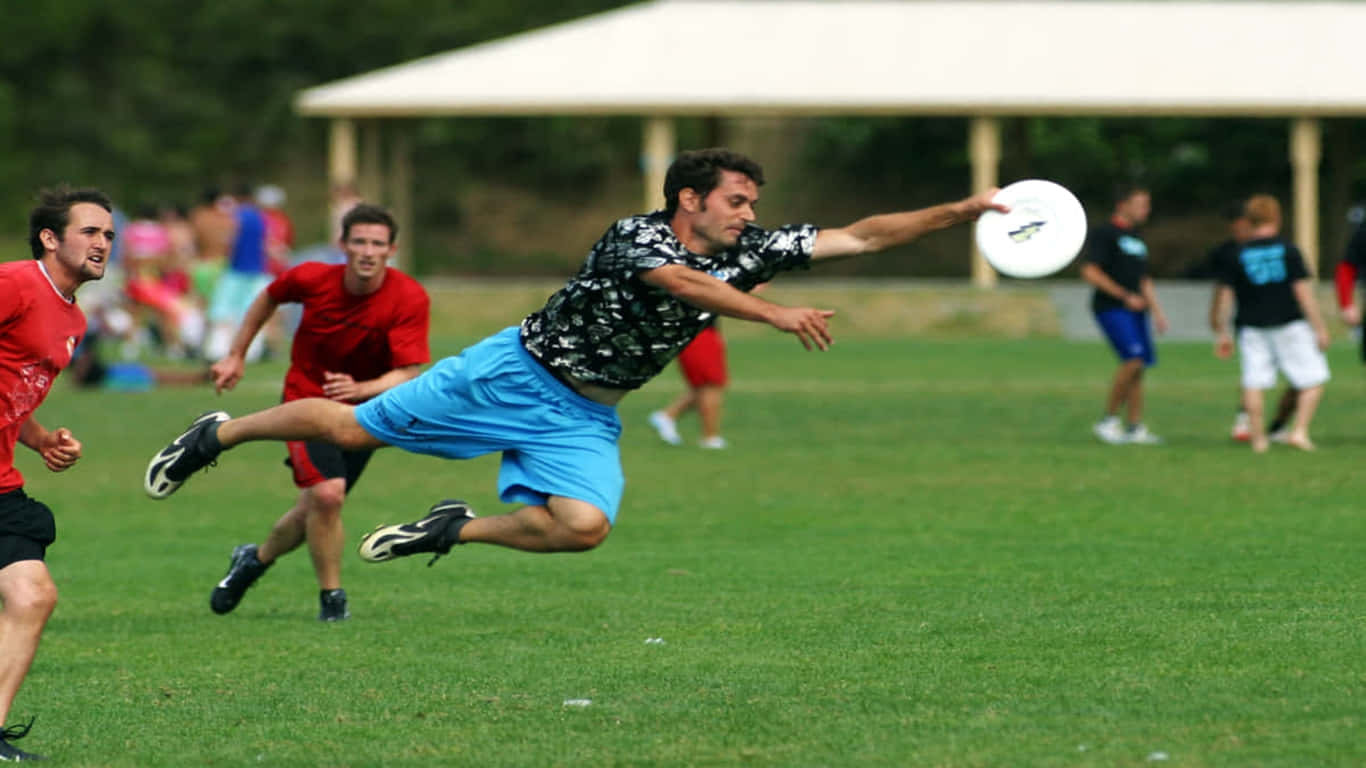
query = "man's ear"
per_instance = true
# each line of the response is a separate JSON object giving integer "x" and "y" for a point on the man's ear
{"x": 49, "y": 239}
{"x": 689, "y": 200}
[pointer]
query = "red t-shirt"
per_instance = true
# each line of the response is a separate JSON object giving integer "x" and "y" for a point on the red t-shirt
{"x": 364, "y": 336}
{"x": 39, "y": 329}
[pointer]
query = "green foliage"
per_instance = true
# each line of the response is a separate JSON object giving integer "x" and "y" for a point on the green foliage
{"x": 155, "y": 101}
{"x": 913, "y": 554}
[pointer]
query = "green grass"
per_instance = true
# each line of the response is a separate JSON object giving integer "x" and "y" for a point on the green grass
{"x": 914, "y": 554}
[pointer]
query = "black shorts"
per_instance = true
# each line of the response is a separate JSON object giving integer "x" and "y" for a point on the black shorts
{"x": 26, "y": 528}
{"x": 314, "y": 461}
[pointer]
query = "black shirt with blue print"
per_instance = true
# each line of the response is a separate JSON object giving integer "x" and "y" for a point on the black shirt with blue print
{"x": 1261, "y": 273}
{"x": 610, "y": 328}
{"x": 1122, "y": 255}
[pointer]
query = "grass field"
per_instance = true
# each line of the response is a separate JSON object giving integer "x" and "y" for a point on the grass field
{"x": 914, "y": 554}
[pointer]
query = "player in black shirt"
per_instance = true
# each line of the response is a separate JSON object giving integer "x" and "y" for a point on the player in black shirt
{"x": 1239, "y": 228}
{"x": 544, "y": 393}
{"x": 1116, "y": 263}
{"x": 1277, "y": 320}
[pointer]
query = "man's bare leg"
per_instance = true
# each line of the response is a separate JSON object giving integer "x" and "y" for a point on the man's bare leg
{"x": 1122, "y": 385}
{"x": 1307, "y": 404}
{"x": 709, "y": 400}
{"x": 1252, "y": 403}
{"x": 28, "y": 595}
{"x": 561, "y": 525}
{"x": 312, "y": 418}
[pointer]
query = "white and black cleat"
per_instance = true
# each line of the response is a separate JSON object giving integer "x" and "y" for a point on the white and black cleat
{"x": 196, "y": 448}
{"x": 435, "y": 533}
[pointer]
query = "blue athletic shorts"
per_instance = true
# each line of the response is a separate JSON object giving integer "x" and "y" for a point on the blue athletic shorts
{"x": 1128, "y": 333}
{"x": 494, "y": 397}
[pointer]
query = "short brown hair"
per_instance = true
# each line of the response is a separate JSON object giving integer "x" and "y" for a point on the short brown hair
{"x": 365, "y": 213}
{"x": 1263, "y": 209}
{"x": 700, "y": 170}
{"x": 54, "y": 212}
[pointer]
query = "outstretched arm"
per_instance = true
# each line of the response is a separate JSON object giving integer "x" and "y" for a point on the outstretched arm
{"x": 706, "y": 292}
{"x": 878, "y": 233}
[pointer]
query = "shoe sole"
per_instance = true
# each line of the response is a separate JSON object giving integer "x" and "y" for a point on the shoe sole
{"x": 377, "y": 546}
{"x": 154, "y": 480}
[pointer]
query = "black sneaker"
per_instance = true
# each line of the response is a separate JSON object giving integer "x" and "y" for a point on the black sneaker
{"x": 333, "y": 605}
{"x": 10, "y": 753}
{"x": 243, "y": 571}
{"x": 437, "y": 532}
{"x": 196, "y": 448}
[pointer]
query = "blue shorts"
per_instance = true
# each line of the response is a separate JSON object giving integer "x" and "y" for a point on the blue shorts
{"x": 494, "y": 397}
{"x": 1128, "y": 333}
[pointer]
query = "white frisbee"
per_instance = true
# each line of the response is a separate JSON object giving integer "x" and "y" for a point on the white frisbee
{"x": 1043, "y": 232}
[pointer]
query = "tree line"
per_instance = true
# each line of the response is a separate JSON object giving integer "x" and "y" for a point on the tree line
{"x": 155, "y": 100}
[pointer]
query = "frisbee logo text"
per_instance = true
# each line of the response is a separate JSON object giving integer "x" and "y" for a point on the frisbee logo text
{"x": 1026, "y": 232}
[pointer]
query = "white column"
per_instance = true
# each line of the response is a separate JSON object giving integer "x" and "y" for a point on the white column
{"x": 371, "y": 180}
{"x": 658, "y": 147}
{"x": 401, "y": 192}
{"x": 341, "y": 152}
{"x": 984, "y": 149}
{"x": 1306, "y": 149}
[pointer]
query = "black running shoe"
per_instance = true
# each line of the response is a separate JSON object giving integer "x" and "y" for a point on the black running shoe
{"x": 437, "y": 533}
{"x": 243, "y": 571}
{"x": 333, "y": 605}
{"x": 196, "y": 448}
{"x": 10, "y": 753}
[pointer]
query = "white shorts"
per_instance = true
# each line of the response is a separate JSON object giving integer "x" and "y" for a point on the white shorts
{"x": 1289, "y": 348}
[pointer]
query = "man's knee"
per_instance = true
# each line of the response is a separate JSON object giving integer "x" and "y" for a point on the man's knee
{"x": 589, "y": 533}
{"x": 327, "y": 497}
{"x": 30, "y": 599}
{"x": 582, "y": 525}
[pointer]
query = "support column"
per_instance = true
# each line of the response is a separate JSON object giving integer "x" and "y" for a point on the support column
{"x": 984, "y": 149}
{"x": 371, "y": 180}
{"x": 341, "y": 152}
{"x": 401, "y": 194}
{"x": 658, "y": 147}
{"x": 1306, "y": 149}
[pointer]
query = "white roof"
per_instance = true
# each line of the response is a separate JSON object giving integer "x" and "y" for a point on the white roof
{"x": 731, "y": 57}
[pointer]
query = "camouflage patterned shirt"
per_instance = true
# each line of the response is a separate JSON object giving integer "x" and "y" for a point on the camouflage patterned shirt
{"x": 610, "y": 328}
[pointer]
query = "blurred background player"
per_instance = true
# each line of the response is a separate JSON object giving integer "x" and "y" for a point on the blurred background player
{"x": 1239, "y": 228}
{"x": 243, "y": 278}
{"x": 1116, "y": 263}
{"x": 1277, "y": 320}
{"x": 703, "y": 363}
{"x": 70, "y": 235}
{"x": 1348, "y": 272}
{"x": 363, "y": 331}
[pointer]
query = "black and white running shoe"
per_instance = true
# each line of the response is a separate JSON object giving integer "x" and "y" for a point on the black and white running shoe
{"x": 10, "y": 753}
{"x": 436, "y": 533}
{"x": 196, "y": 448}
{"x": 332, "y": 605}
{"x": 243, "y": 570}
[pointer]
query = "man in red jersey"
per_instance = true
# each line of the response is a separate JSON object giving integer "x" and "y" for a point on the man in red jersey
{"x": 364, "y": 330}
{"x": 70, "y": 234}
